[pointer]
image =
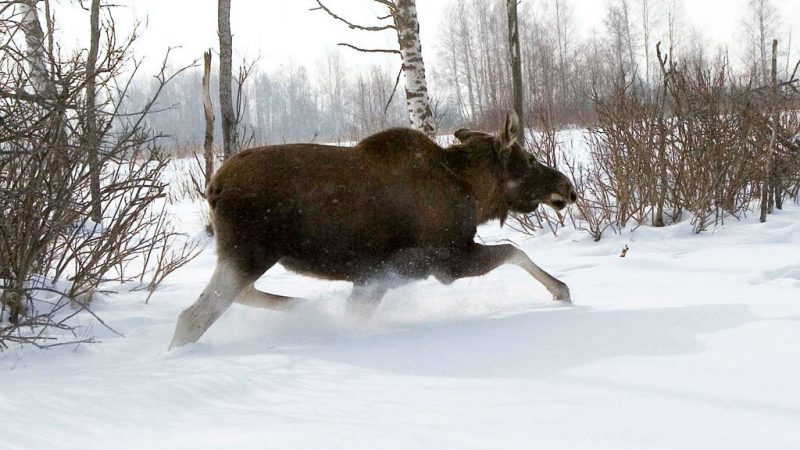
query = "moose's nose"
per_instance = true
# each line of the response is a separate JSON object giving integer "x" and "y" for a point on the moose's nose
{"x": 558, "y": 201}
{"x": 573, "y": 196}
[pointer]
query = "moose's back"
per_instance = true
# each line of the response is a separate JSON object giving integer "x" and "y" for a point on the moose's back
{"x": 335, "y": 211}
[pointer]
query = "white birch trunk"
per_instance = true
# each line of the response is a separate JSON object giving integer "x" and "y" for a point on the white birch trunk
{"x": 419, "y": 109}
{"x": 35, "y": 54}
{"x": 647, "y": 25}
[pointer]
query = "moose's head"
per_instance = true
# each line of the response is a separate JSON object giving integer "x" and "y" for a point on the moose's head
{"x": 527, "y": 182}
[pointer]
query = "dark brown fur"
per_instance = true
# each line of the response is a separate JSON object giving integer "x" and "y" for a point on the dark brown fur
{"x": 395, "y": 207}
{"x": 340, "y": 213}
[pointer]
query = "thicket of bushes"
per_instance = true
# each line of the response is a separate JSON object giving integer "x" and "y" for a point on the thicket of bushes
{"x": 82, "y": 194}
{"x": 696, "y": 146}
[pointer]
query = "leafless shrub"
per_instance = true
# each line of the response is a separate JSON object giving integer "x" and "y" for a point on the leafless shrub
{"x": 788, "y": 166}
{"x": 696, "y": 145}
{"x": 50, "y": 154}
{"x": 245, "y": 135}
{"x": 592, "y": 212}
{"x": 190, "y": 184}
{"x": 165, "y": 256}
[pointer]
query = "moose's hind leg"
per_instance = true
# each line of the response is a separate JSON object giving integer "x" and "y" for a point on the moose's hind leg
{"x": 365, "y": 298}
{"x": 225, "y": 285}
{"x": 250, "y": 296}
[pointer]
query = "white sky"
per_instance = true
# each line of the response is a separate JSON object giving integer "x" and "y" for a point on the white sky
{"x": 285, "y": 31}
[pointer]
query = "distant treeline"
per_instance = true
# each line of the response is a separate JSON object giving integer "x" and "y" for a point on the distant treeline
{"x": 563, "y": 71}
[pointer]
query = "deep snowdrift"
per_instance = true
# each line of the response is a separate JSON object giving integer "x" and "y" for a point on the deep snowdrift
{"x": 687, "y": 342}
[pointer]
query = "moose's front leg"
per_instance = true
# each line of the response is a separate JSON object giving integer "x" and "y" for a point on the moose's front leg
{"x": 480, "y": 259}
{"x": 413, "y": 263}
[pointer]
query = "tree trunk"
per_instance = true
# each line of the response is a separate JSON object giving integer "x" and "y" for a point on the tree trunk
{"x": 762, "y": 39}
{"x": 467, "y": 53}
{"x": 36, "y": 55}
{"x": 468, "y": 70}
{"x": 208, "y": 112}
{"x": 646, "y": 44}
{"x": 225, "y": 78}
{"x": 766, "y": 189}
{"x": 419, "y": 109}
{"x": 561, "y": 35}
{"x": 91, "y": 139}
{"x": 661, "y": 176}
{"x": 516, "y": 66}
{"x": 629, "y": 39}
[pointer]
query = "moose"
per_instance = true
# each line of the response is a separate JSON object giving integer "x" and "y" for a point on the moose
{"x": 394, "y": 208}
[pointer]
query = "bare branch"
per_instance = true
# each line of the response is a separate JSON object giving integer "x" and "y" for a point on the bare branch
{"x": 394, "y": 90}
{"x": 351, "y": 24}
{"x": 369, "y": 50}
{"x": 387, "y": 3}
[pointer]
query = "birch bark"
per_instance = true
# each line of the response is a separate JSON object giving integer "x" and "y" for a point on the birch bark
{"x": 419, "y": 109}
{"x": 35, "y": 55}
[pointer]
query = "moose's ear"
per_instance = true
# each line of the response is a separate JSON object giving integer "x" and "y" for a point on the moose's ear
{"x": 508, "y": 135}
{"x": 464, "y": 133}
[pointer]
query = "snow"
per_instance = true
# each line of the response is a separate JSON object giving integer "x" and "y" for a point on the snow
{"x": 690, "y": 341}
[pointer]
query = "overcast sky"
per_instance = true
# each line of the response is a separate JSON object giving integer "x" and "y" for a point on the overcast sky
{"x": 285, "y": 31}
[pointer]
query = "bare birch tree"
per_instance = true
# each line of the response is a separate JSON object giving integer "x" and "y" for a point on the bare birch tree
{"x": 618, "y": 26}
{"x": 516, "y": 66}
{"x": 466, "y": 51}
{"x": 766, "y": 188}
{"x": 36, "y": 53}
{"x": 563, "y": 27}
{"x": 90, "y": 139}
{"x": 450, "y": 75}
{"x": 405, "y": 23}
{"x": 674, "y": 13}
{"x": 761, "y": 23}
{"x": 646, "y": 13}
{"x": 226, "y": 78}
{"x": 625, "y": 7}
{"x": 208, "y": 114}
{"x": 419, "y": 108}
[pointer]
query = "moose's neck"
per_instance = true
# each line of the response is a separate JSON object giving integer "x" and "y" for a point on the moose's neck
{"x": 487, "y": 188}
{"x": 477, "y": 167}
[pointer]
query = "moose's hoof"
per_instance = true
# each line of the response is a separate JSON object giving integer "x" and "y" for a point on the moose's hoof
{"x": 561, "y": 294}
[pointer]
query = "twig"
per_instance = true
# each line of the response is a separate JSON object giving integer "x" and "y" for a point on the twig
{"x": 394, "y": 90}
{"x": 369, "y": 50}
{"x": 351, "y": 24}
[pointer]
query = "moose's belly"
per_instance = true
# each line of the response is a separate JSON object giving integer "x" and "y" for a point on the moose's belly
{"x": 330, "y": 268}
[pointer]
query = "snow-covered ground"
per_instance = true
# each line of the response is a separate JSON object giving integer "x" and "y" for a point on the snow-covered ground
{"x": 687, "y": 342}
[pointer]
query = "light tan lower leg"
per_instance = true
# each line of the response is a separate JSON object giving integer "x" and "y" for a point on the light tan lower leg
{"x": 556, "y": 287}
{"x": 251, "y": 296}
{"x": 224, "y": 286}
